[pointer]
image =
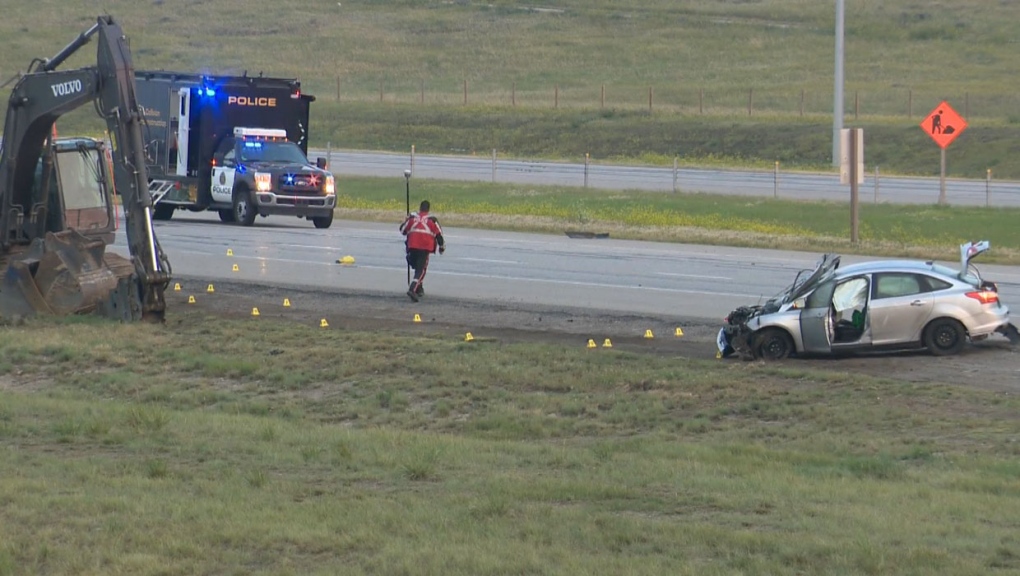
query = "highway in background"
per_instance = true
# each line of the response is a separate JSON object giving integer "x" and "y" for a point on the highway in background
{"x": 768, "y": 184}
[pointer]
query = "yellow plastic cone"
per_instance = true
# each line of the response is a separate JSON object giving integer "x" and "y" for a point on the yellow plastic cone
{"x": 254, "y": 311}
{"x": 591, "y": 344}
{"x": 468, "y": 337}
{"x": 286, "y": 302}
{"x": 230, "y": 252}
{"x": 718, "y": 355}
{"x": 236, "y": 269}
{"x": 177, "y": 287}
{"x": 346, "y": 260}
{"x": 648, "y": 334}
{"x": 607, "y": 344}
{"x": 323, "y": 323}
{"x": 210, "y": 289}
{"x": 417, "y": 318}
{"x": 191, "y": 299}
{"x": 679, "y": 332}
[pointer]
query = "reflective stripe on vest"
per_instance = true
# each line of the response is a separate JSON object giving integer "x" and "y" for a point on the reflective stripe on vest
{"x": 420, "y": 225}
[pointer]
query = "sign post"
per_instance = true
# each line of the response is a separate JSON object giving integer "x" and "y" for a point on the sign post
{"x": 943, "y": 124}
{"x": 851, "y": 171}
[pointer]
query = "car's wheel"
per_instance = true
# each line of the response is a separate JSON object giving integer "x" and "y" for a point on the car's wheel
{"x": 226, "y": 215}
{"x": 163, "y": 211}
{"x": 323, "y": 221}
{"x": 944, "y": 337}
{"x": 244, "y": 207}
{"x": 772, "y": 344}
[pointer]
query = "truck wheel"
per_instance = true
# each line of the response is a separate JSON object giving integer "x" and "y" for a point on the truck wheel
{"x": 244, "y": 208}
{"x": 226, "y": 215}
{"x": 162, "y": 212}
{"x": 323, "y": 221}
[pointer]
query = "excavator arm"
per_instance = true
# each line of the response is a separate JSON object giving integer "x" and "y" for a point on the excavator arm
{"x": 38, "y": 99}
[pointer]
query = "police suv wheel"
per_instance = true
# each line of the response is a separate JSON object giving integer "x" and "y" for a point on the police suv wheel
{"x": 226, "y": 215}
{"x": 244, "y": 208}
{"x": 323, "y": 221}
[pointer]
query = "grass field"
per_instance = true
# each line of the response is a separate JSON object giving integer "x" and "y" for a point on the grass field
{"x": 886, "y": 229}
{"x": 257, "y": 446}
{"x": 705, "y": 63}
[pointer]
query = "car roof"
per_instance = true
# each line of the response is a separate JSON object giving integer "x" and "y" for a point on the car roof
{"x": 888, "y": 266}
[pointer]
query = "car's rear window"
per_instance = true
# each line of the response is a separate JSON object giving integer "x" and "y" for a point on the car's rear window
{"x": 949, "y": 272}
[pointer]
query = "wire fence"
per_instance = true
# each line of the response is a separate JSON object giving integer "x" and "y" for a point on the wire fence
{"x": 891, "y": 102}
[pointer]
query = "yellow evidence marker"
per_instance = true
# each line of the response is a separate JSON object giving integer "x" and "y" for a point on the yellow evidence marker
{"x": 254, "y": 311}
{"x": 210, "y": 289}
{"x": 323, "y": 323}
{"x": 191, "y": 299}
{"x": 679, "y": 332}
{"x": 417, "y": 318}
{"x": 230, "y": 252}
{"x": 468, "y": 337}
{"x": 236, "y": 269}
{"x": 177, "y": 287}
{"x": 591, "y": 343}
{"x": 286, "y": 302}
{"x": 607, "y": 344}
{"x": 648, "y": 334}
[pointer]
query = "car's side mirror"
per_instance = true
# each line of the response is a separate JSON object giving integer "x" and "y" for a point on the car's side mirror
{"x": 320, "y": 163}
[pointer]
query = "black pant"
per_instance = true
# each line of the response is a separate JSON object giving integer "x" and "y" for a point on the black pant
{"x": 419, "y": 260}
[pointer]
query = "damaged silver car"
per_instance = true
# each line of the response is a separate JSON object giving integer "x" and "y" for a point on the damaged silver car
{"x": 882, "y": 305}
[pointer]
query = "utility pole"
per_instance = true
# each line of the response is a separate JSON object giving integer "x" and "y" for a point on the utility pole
{"x": 837, "y": 97}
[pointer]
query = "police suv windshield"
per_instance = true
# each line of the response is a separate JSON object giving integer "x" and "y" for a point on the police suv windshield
{"x": 281, "y": 151}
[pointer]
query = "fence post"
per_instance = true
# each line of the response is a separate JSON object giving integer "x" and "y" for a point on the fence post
{"x": 513, "y": 95}
{"x": 910, "y": 103}
{"x": 802, "y": 102}
{"x": 750, "y": 100}
{"x": 556, "y": 96}
{"x": 988, "y": 187}
{"x": 876, "y": 184}
{"x": 675, "y": 158}
{"x": 701, "y": 101}
{"x": 775, "y": 181}
{"x": 857, "y": 104}
{"x": 422, "y": 85}
{"x": 338, "y": 88}
{"x": 493, "y": 164}
{"x": 966, "y": 104}
{"x": 380, "y": 91}
{"x": 649, "y": 99}
{"x": 329, "y": 156}
{"x": 602, "y": 98}
{"x": 465, "y": 91}
{"x": 412, "y": 159}
{"x": 587, "y": 158}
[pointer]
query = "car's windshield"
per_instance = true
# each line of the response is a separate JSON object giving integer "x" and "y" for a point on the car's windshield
{"x": 272, "y": 151}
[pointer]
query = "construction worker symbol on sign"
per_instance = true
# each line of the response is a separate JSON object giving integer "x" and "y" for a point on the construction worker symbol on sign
{"x": 943, "y": 124}
{"x": 936, "y": 124}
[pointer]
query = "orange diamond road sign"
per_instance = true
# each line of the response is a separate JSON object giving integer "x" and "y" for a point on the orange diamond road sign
{"x": 943, "y": 124}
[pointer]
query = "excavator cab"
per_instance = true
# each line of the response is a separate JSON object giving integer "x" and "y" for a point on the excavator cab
{"x": 76, "y": 175}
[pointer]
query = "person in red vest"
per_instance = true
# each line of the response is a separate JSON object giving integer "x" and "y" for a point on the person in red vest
{"x": 423, "y": 237}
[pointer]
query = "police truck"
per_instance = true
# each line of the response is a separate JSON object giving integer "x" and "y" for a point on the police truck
{"x": 237, "y": 145}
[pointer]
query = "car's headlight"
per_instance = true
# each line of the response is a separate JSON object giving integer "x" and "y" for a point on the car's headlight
{"x": 263, "y": 181}
{"x": 330, "y": 185}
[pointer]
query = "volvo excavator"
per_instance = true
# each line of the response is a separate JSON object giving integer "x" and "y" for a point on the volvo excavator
{"x": 57, "y": 208}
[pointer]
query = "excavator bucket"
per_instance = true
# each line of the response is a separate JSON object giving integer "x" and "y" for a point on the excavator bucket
{"x": 69, "y": 273}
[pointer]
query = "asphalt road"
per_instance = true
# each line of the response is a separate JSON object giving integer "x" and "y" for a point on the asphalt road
{"x": 787, "y": 185}
{"x": 500, "y": 267}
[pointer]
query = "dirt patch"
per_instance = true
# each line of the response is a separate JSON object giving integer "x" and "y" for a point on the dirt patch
{"x": 992, "y": 364}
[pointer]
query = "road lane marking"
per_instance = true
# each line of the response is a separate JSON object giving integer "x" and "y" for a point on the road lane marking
{"x": 701, "y": 276}
{"x": 487, "y": 260}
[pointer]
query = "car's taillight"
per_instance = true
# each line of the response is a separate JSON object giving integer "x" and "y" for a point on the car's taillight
{"x": 984, "y": 296}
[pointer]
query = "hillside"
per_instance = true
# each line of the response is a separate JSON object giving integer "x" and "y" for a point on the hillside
{"x": 737, "y": 80}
